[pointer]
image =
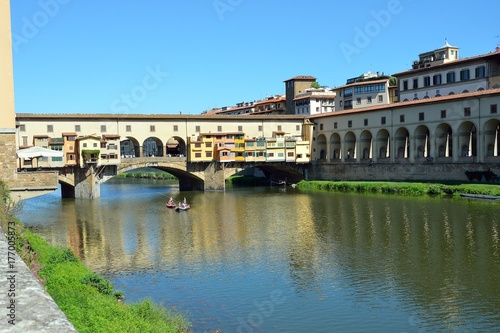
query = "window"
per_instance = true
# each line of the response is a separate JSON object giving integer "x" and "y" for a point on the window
{"x": 317, "y": 109}
{"x": 25, "y": 140}
{"x": 493, "y": 108}
{"x": 50, "y": 128}
{"x": 405, "y": 85}
{"x": 348, "y": 92}
{"x": 103, "y": 128}
{"x": 128, "y": 128}
{"x": 436, "y": 79}
{"x": 369, "y": 99}
{"x": 380, "y": 98}
{"x": 176, "y": 128}
{"x": 103, "y": 144}
{"x": 77, "y": 128}
{"x": 208, "y": 144}
{"x": 467, "y": 112}
{"x": 280, "y": 128}
{"x": 369, "y": 88}
{"x": 208, "y": 154}
{"x": 443, "y": 114}
{"x": 260, "y": 128}
{"x": 427, "y": 81}
{"x": 366, "y": 122}
{"x": 402, "y": 118}
{"x": 464, "y": 75}
{"x": 197, "y": 144}
{"x": 480, "y": 72}
{"x": 84, "y": 145}
{"x": 240, "y": 128}
{"x": 320, "y": 127}
{"x": 450, "y": 77}
{"x": 349, "y": 123}
{"x": 335, "y": 125}
{"x": 152, "y": 128}
{"x": 95, "y": 144}
{"x": 358, "y": 100}
{"x": 290, "y": 154}
{"x": 379, "y": 87}
{"x": 415, "y": 83}
{"x": 358, "y": 90}
{"x": 22, "y": 128}
{"x": 382, "y": 120}
{"x": 197, "y": 128}
{"x": 219, "y": 128}
{"x": 421, "y": 116}
{"x": 197, "y": 155}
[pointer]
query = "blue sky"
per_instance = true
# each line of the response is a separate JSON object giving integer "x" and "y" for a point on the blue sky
{"x": 166, "y": 57}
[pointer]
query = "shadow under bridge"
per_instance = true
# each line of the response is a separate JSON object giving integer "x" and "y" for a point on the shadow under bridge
{"x": 176, "y": 166}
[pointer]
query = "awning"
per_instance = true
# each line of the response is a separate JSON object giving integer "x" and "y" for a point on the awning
{"x": 34, "y": 152}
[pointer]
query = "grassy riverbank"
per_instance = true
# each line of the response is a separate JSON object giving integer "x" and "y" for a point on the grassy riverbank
{"x": 148, "y": 174}
{"x": 89, "y": 301}
{"x": 402, "y": 188}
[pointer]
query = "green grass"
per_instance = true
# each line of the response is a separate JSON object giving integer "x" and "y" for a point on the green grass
{"x": 88, "y": 300}
{"x": 402, "y": 188}
{"x": 147, "y": 175}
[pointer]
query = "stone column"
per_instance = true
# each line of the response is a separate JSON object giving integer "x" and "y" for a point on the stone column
{"x": 87, "y": 185}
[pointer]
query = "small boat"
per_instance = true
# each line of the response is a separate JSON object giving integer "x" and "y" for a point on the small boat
{"x": 479, "y": 196}
{"x": 182, "y": 206}
{"x": 171, "y": 204}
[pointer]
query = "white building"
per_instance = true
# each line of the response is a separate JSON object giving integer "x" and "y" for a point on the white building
{"x": 441, "y": 72}
{"x": 315, "y": 101}
{"x": 364, "y": 91}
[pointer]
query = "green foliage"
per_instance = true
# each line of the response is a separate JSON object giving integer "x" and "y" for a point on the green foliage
{"x": 102, "y": 285}
{"x": 148, "y": 175}
{"x": 315, "y": 85}
{"x": 402, "y": 188}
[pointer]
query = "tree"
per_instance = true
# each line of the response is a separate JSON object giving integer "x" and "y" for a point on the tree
{"x": 315, "y": 85}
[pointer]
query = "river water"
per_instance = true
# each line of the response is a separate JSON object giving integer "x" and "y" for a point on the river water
{"x": 274, "y": 259}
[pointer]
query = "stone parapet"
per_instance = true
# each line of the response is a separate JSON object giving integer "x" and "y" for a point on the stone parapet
{"x": 25, "y": 304}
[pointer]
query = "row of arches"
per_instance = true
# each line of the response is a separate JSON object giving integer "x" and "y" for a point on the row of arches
{"x": 153, "y": 146}
{"x": 423, "y": 143}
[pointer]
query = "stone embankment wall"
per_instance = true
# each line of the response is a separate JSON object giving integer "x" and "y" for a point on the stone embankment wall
{"x": 397, "y": 172}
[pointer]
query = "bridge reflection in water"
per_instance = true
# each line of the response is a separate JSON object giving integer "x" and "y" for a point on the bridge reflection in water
{"x": 349, "y": 262}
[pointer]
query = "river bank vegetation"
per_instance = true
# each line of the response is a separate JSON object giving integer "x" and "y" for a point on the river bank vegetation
{"x": 88, "y": 300}
{"x": 402, "y": 188}
{"x": 148, "y": 174}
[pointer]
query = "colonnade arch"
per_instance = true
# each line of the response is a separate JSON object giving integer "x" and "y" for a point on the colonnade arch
{"x": 321, "y": 144}
{"x": 153, "y": 146}
{"x": 446, "y": 142}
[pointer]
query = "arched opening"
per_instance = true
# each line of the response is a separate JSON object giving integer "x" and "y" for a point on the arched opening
{"x": 335, "y": 147}
{"x": 467, "y": 139}
{"x": 176, "y": 147}
{"x": 444, "y": 140}
{"x": 350, "y": 146}
{"x": 130, "y": 148}
{"x": 383, "y": 144}
{"x": 402, "y": 143}
{"x": 152, "y": 147}
{"x": 492, "y": 137}
{"x": 422, "y": 142}
{"x": 321, "y": 142}
{"x": 366, "y": 145}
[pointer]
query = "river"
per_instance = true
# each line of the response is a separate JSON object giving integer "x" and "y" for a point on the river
{"x": 272, "y": 259}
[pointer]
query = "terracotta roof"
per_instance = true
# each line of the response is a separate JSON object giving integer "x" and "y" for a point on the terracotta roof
{"x": 302, "y": 77}
{"x": 68, "y": 134}
{"x": 411, "y": 103}
{"x": 223, "y": 133}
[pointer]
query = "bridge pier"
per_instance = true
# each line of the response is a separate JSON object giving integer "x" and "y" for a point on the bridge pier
{"x": 215, "y": 177}
{"x": 87, "y": 185}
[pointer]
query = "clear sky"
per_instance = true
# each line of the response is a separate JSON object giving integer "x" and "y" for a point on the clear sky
{"x": 166, "y": 57}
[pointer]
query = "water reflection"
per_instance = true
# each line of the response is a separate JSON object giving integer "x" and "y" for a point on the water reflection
{"x": 421, "y": 264}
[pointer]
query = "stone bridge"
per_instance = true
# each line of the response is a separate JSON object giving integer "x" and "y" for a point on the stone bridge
{"x": 192, "y": 176}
